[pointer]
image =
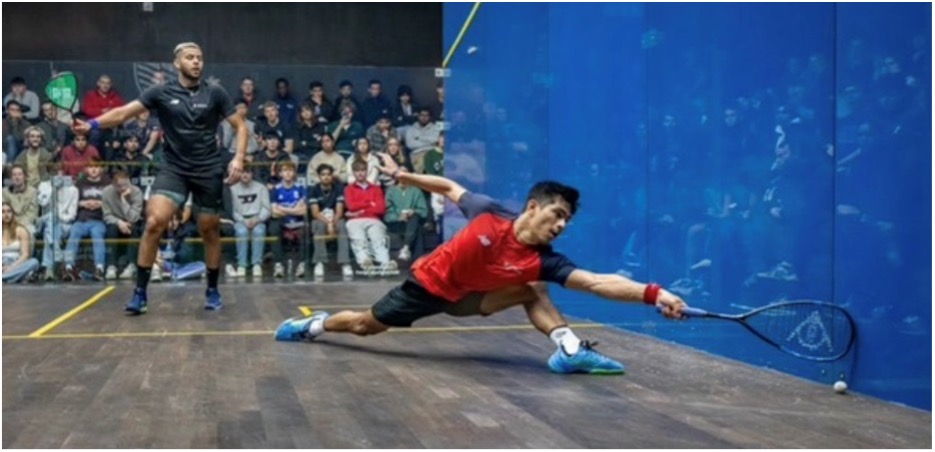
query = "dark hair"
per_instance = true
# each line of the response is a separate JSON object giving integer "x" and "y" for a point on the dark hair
{"x": 375, "y": 82}
{"x": 315, "y": 84}
{"x": 329, "y": 135}
{"x": 548, "y": 192}
{"x": 120, "y": 174}
{"x": 18, "y": 81}
{"x": 424, "y": 108}
{"x": 322, "y": 167}
{"x": 281, "y": 80}
{"x": 345, "y": 83}
{"x": 358, "y": 165}
{"x": 13, "y": 102}
{"x": 404, "y": 89}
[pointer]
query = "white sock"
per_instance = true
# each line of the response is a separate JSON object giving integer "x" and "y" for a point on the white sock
{"x": 566, "y": 339}
{"x": 317, "y": 326}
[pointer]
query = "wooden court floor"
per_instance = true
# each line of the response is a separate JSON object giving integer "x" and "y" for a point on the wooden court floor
{"x": 181, "y": 377}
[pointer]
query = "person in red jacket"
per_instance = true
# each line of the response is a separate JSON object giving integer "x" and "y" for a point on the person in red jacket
{"x": 101, "y": 100}
{"x": 501, "y": 259}
{"x": 365, "y": 208}
{"x": 77, "y": 155}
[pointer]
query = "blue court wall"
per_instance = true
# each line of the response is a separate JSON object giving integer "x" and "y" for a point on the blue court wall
{"x": 739, "y": 154}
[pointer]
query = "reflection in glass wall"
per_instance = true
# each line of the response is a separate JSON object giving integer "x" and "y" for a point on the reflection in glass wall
{"x": 739, "y": 154}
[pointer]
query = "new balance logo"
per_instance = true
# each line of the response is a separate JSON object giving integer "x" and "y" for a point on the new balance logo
{"x": 174, "y": 101}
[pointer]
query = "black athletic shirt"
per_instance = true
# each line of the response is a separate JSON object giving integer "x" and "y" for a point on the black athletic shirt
{"x": 190, "y": 119}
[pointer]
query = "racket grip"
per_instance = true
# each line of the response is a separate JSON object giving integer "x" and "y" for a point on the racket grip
{"x": 689, "y": 311}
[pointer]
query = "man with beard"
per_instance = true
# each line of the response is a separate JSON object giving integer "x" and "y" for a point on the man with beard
{"x": 189, "y": 110}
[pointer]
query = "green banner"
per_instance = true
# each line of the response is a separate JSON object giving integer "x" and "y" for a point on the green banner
{"x": 62, "y": 90}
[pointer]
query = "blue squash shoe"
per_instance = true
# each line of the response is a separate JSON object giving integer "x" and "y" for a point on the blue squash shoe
{"x": 586, "y": 361}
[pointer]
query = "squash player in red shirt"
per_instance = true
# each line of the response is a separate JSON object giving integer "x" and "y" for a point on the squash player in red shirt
{"x": 499, "y": 260}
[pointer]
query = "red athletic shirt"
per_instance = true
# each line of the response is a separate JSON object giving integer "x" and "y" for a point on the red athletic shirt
{"x": 485, "y": 255}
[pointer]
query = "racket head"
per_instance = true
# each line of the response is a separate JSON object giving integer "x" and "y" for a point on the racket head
{"x": 808, "y": 329}
{"x": 62, "y": 90}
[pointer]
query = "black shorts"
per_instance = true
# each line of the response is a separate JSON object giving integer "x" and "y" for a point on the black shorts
{"x": 409, "y": 302}
{"x": 207, "y": 189}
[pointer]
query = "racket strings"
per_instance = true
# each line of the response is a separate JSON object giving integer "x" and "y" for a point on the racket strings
{"x": 807, "y": 330}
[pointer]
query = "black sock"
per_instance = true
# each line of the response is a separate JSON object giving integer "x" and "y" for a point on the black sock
{"x": 142, "y": 277}
{"x": 213, "y": 274}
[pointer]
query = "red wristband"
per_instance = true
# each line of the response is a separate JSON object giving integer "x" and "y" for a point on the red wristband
{"x": 651, "y": 293}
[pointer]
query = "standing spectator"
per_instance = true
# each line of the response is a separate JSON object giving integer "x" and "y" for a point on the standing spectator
{"x": 363, "y": 154}
{"x": 365, "y": 209}
{"x": 375, "y": 106}
{"x": 249, "y": 95}
{"x": 288, "y": 107}
{"x": 36, "y": 158}
{"x": 326, "y": 200}
{"x": 323, "y": 108}
{"x": 77, "y": 155}
{"x": 90, "y": 221}
{"x": 379, "y": 133}
{"x": 23, "y": 198}
{"x": 406, "y": 211}
{"x": 17, "y": 243}
{"x": 123, "y": 209}
{"x": 437, "y": 107}
{"x": 251, "y": 209}
{"x": 27, "y": 99}
{"x": 345, "y": 98}
{"x": 327, "y": 156}
{"x": 14, "y": 126}
{"x": 421, "y": 138}
{"x": 56, "y": 131}
{"x": 287, "y": 217}
{"x": 345, "y": 131}
{"x": 54, "y": 229}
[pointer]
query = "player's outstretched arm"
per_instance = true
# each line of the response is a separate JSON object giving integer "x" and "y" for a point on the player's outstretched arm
{"x": 435, "y": 184}
{"x": 110, "y": 119}
{"x": 618, "y": 288}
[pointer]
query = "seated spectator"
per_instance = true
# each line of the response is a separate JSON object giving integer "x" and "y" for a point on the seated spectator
{"x": 65, "y": 207}
{"x": 406, "y": 211}
{"x": 345, "y": 97}
{"x": 27, "y": 99}
{"x": 437, "y": 106}
{"x": 23, "y": 198}
{"x": 147, "y": 131}
{"x": 35, "y": 160}
{"x": 90, "y": 221}
{"x": 268, "y": 161}
{"x": 56, "y": 131}
{"x": 404, "y": 113}
{"x": 375, "y": 106}
{"x": 228, "y": 139}
{"x": 287, "y": 217}
{"x": 326, "y": 200}
{"x": 327, "y": 156}
{"x": 14, "y": 128}
{"x": 308, "y": 134}
{"x": 77, "y": 155}
{"x": 434, "y": 162}
{"x": 395, "y": 150}
{"x": 421, "y": 137}
{"x": 323, "y": 108}
{"x": 380, "y": 133}
{"x": 363, "y": 154}
{"x": 250, "y": 209}
{"x": 272, "y": 123}
{"x": 97, "y": 102}
{"x": 288, "y": 107}
{"x": 130, "y": 160}
{"x": 17, "y": 243}
{"x": 365, "y": 209}
{"x": 345, "y": 131}
{"x": 123, "y": 215}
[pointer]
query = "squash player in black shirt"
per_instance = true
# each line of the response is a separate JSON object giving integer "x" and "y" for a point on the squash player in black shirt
{"x": 189, "y": 110}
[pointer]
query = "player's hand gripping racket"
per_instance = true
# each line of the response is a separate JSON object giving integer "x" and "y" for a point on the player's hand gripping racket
{"x": 62, "y": 90}
{"x": 812, "y": 330}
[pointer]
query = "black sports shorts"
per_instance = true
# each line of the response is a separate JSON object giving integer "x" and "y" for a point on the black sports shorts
{"x": 207, "y": 189}
{"x": 409, "y": 302}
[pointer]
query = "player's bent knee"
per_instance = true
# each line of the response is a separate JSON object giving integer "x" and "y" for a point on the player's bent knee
{"x": 156, "y": 225}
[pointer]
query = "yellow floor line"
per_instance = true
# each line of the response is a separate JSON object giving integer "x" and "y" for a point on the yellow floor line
{"x": 306, "y": 311}
{"x": 68, "y": 315}
{"x": 440, "y": 329}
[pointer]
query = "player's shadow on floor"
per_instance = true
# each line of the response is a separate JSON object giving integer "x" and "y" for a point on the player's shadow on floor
{"x": 511, "y": 363}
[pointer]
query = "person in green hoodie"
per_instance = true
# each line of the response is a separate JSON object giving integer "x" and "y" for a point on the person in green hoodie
{"x": 406, "y": 211}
